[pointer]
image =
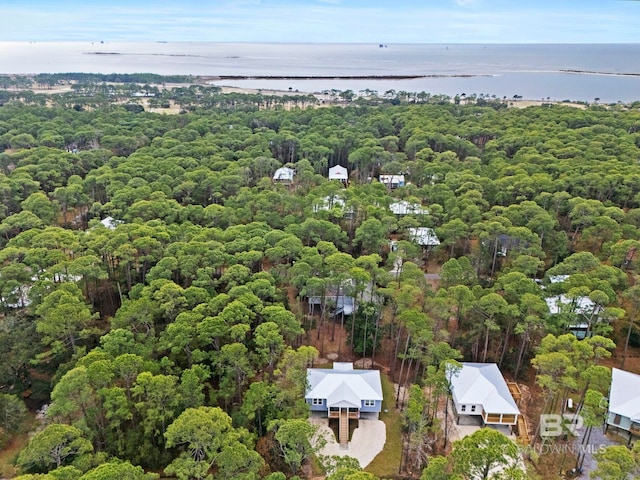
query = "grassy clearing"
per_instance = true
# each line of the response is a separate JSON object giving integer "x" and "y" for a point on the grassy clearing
{"x": 387, "y": 462}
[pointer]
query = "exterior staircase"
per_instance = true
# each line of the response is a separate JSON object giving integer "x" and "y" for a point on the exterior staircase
{"x": 523, "y": 431}
{"x": 344, "y": 428}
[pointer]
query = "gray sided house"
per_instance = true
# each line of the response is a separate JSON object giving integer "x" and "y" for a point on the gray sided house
{"x": 624, "y": 402}
{"x": 344, "y": 394}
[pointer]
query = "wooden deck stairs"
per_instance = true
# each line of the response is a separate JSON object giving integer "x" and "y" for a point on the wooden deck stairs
{"x": 344, "y": 428}
{"x": 521, "y": 427}
{"x": 523, "y": 430}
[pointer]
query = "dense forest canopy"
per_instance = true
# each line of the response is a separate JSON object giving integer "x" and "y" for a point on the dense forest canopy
{"x": 154, "y": 278}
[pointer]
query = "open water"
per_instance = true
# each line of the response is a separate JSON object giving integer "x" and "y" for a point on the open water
{"x": 610, "y": 72}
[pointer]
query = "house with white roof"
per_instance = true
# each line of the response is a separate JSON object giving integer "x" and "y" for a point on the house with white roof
{"x": 624, "y": 402}
{"x": 392, "y": 181}
{"x": 402, "y": 207}
{"x": 344, "y": 393}
{"x": 423, "y": 236}
{"x": 334, "y": 202}
{"x": 339, "y": 172}
{"x": 583, "y": 311}
{"x": 284, "y": 175}
{"x": 558, "y": 278}
{"x": 480, "y": 392}
{"x": 110, "y": 223}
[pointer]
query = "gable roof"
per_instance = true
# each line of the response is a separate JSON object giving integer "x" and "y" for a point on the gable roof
{"x": 580, "y": 305}
{"x": 342, "y": 386}
{"x": 402, "y": 207}
{"x": 338, "y": 173}
{"x": 424, "y": 236}
{"x": 284, "y": 173}
{"x": 624, "y": 397}
{"x": 483, "y": 384}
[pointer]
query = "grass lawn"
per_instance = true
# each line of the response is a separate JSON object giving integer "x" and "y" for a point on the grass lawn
{"x": 387, "y": 462}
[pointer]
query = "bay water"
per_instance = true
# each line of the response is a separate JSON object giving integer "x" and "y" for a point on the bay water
{"x": 578, "y": 72}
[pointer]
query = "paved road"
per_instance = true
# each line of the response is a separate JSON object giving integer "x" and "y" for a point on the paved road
{"x": 597, "y": 440}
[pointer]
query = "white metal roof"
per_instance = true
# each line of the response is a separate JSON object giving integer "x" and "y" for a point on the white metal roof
{"x": 342, "y": 386}
{"x": 284, "y": 173}
{"x": 624, "y": 398}
{"x": 423, "y": 236}
{"x": 338, "y": 173}
{"x": 388, "y": 179}
{"x": 558, "y": 278}
{"x": 483, "y": 384}
{"x": 582, "y": 304}
{"x": 403, "y": 207}
{"x": 110, "y": 222}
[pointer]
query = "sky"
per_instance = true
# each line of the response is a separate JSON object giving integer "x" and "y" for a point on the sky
{"x": 377, "y": 21}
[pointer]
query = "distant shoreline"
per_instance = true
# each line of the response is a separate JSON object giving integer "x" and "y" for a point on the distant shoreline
{"x": 337, "y": 77}
{"x": 606, "y": 74}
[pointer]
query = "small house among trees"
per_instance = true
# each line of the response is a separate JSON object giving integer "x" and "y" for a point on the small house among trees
{"x": 403, "y": 207}
{"x": 343, "y": 304}
{"x": 480, "y": 393}
{"x": 344, "y": 393}
{"x": 392, "y": 181}
{"x": 338, "y": 172}
{"x": 284, "y": 175}
{"x": 423, "y": 236}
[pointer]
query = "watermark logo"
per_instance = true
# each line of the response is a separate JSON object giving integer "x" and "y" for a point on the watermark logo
{"x": 564, "y": 449}
{"x": 555, "y": 425}
{"x": 560, "y": 427}
{"x": 568, "y": 448}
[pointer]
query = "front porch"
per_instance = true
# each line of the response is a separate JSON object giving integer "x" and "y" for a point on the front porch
{"x": 344, "y": 415}
{"x": 335, "y": 412}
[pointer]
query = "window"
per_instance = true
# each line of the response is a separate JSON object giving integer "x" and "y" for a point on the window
{"x": 616, "y": 420}
{"x": 473, "y": 408}
{"x": 369, "y": 403}
{"x": 316, "y": 401}
{"x": 463, "y": 408}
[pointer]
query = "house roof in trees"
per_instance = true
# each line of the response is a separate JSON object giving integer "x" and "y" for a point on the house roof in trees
{"x": 343, "y": 303}
{"x": 338, "y": 173}
{"x": 332, "y": 201}
{"x": 342, "y": 386}
{"x": 392, "y": 180}
{"x": 424, "y": 236}
{"x": 581, "y": 305}
{"x": 284, "y": 174}
{"x": 483, "y": 384}
{"x": 558, "y": 278}
{"x": 403, "y": 207}
{"x": 624, "y": 398}
{"x": 110, "y": 223}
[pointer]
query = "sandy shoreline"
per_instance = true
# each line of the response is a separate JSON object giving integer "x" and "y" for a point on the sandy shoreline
{"x": 324, "y": 98}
